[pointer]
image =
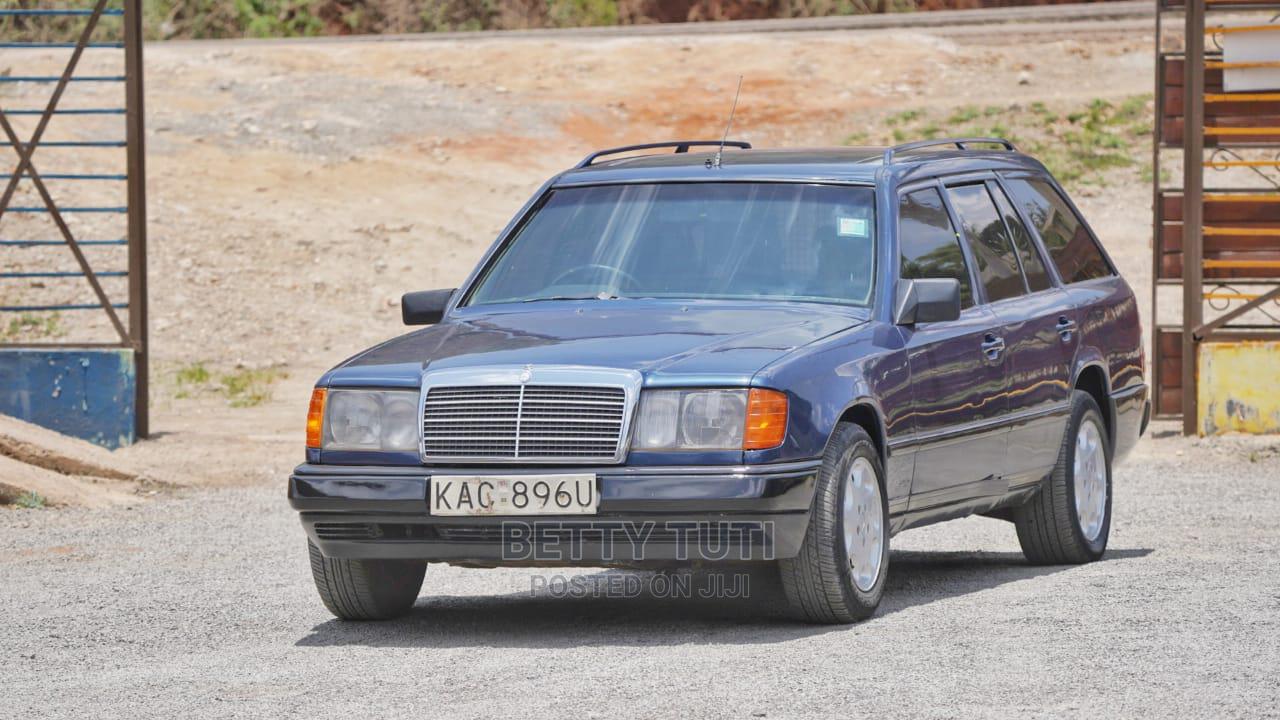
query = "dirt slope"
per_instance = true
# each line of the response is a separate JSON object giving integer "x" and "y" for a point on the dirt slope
{"x": 39, "y": 466}
{"x": 295, "y": 191}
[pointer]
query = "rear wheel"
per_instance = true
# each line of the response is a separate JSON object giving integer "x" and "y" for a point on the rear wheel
{"x": 366, "y": 589}
{"x": 1069, "y": 520}
{"x": 839, "y": 575}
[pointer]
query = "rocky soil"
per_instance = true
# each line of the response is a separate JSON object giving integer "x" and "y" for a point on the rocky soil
{"x": 296, "y": 190}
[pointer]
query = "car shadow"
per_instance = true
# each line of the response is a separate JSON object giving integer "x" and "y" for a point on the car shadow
{"x": 623, "y": 607}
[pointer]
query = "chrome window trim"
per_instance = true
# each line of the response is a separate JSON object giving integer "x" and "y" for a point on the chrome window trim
{"x": 629, "y": 381}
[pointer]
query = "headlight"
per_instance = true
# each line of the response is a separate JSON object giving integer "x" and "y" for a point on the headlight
{"x": 710, "y": 420}
{"x": 370, "y": 420}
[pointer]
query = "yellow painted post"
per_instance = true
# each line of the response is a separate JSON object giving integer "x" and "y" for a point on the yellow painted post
{"x": 1238, "y": 387}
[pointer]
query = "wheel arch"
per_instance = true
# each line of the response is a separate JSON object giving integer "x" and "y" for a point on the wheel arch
{"x": 1092, "y": 378}
{"x": 865, "y": 412}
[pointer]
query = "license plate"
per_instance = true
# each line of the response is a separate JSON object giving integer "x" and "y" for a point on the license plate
{"x": 513, "y": 495}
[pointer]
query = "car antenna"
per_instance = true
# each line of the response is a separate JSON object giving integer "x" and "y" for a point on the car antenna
{"x": 720, "y": 152}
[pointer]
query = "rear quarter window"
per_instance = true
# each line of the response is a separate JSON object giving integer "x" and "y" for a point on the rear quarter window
{"x": 1032, "y": 266}
{"x": 1071, "y": 247}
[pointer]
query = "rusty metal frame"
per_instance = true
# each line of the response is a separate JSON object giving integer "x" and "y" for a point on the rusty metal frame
{"x": 1194, "y": 330}
{"x": 135, "y": 336}
{"x": 135, "y": 121}
{"x": 1192, "y": 203}
{"x": 1203, "y": 331}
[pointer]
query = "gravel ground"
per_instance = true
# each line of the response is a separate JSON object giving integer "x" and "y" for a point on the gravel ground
{"x": 201, "y": 604}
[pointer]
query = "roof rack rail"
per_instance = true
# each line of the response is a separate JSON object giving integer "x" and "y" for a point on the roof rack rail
{"x": 681, "y": 146}
{"x": 959, "y": 142}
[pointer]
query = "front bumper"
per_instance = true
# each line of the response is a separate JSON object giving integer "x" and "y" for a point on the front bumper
{"x": 646, "y": 515}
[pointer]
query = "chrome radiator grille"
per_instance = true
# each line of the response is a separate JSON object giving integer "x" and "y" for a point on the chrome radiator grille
{"x": 533, "y": 422}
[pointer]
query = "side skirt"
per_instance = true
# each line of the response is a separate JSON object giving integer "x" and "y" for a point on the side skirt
{"x": 995, "y": 506}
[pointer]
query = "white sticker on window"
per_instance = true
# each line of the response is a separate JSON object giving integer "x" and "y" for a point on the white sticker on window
{"x": 853, "y": 227}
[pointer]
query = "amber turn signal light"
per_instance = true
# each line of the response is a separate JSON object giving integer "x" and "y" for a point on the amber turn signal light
{"x": 766, "y": 419}
{"x": 315, "y": 418}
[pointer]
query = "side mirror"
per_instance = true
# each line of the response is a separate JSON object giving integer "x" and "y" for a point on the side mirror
{"x": 425, "y": 307}
{"x": 923, "y": 300}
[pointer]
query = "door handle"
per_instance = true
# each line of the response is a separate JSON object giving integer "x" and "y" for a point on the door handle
{"x": 992, "y": 347}
{"x": 1065, "y": 327}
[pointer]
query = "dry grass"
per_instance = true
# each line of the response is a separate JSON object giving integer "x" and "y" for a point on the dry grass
{"x": 1080, "y": 144}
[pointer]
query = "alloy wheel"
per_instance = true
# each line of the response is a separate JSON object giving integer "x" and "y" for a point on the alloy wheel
{"x": 1090, "y": 478}
{"x": 863, "y": 520}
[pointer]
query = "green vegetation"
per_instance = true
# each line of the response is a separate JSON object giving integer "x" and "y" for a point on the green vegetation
{"x": 965, "y": 114}
{"x": 30, "y": 500}
{"x": 300, "y": 18}
{"x": 903, "y": 118}
{"x": 243, "y": 387}
{"x": 1079, "y": 144}
{"x": 191, "y": 379}
{"x": 252, "y": 18}
{"x": 28, "y": 326}
{"x": 249, "y": 387}
{"x": 579, "y": 13}
{"x": 193, "y": 374}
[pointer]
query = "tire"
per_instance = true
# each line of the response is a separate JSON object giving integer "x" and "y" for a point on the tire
{"x": 1049, "y": 525}
{"x": 366, "y": 589}
{"x": 821, "y": 584}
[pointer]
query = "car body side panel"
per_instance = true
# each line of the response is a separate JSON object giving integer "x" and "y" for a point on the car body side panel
{"x": 864, "y": 365}
{"x": 1109, "y": 323}
{"x": 1040, "y": 360}
{"x": 959, "y": 407}
{"x": 1111, "y": 337}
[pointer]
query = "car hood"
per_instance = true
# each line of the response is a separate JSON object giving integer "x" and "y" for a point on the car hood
{"x": 701, "y": 342}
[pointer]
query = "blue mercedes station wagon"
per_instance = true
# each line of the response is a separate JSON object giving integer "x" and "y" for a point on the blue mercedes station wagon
{"x": 697, "y": 353}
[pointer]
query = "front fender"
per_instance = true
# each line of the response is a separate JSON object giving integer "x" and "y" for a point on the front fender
{"x": 864, "y": 366}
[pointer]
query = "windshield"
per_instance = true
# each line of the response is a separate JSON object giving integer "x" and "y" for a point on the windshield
{"x": 784, "y": 241}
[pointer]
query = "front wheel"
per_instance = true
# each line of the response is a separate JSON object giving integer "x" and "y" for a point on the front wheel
{"x": 1069, "y": 520}
{"x": 366, "y": 589}
{"x": 839, "y": 575}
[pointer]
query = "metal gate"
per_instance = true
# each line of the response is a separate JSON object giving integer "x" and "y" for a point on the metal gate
{"x": 1217, "y": 232}
{"x": 73, "y": 209}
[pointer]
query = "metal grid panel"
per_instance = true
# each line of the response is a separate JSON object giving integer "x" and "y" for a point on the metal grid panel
{"x": 130, "y": 235}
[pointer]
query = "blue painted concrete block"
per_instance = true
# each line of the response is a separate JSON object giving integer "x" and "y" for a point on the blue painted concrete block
{"x": 85, "y": 393}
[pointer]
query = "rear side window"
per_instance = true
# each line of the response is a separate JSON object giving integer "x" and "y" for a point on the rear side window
{"x": 928, "y": 243}
{"x": 989, "y": 240}
{"x": 1072, "y": 250}
{"x": 1032, "y": 266}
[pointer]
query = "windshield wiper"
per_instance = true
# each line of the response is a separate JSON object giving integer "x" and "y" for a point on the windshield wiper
{"x": 600, "y": 296}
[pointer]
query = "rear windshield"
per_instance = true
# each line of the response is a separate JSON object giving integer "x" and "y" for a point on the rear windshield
{"x": 784, "y": 241}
